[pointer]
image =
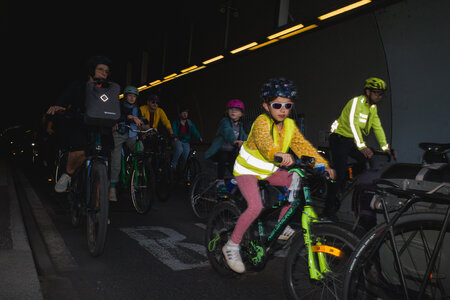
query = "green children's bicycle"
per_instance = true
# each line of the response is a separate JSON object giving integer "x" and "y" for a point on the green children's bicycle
{"x": 317, "y": 254}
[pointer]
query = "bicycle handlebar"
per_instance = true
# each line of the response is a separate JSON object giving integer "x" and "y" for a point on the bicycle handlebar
{"x": 137, "y": 130}
{"x": 306, "y": 163}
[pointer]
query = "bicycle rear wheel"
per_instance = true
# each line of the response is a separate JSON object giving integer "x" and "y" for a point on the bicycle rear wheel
{"x": 297, "y": 279}
{"x": 141, "y": 188}
{"x": 373, "y": 272}
{"x": 203, "y": 195}
{"x": 97, "y": 209}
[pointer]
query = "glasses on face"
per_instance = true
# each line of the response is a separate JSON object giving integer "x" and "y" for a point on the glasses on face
{"x": 278, "y": 105}
{"x": 101, "y": 69}
{"x": 378, "y": 93}
{"x": 154, "y": 102}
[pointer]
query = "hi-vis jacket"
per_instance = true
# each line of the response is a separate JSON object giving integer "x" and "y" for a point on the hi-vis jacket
{"x": 359, "y": 117}
{"x": 256, "y": 156}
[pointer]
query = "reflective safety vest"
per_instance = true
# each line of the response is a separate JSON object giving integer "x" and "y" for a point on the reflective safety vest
{"x": 252, "y": 162}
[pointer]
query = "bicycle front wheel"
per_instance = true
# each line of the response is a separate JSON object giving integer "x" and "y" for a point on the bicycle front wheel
{"x": 297, "y": 279}
{"x": 141, "y": 188}
{"x": 203, "y": 195}
{"x": 374, "y": 273}
{"x": 97, "y": 209}
{"x": 191, "y": 171}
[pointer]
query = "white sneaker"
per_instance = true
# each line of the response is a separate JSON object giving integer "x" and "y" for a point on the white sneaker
{"x": 63, "y": 183}
{"x": 287, "y": 233}
{"x": 233, "y": 257}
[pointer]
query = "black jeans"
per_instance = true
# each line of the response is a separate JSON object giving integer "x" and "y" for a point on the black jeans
{"x": 341, "y": 148}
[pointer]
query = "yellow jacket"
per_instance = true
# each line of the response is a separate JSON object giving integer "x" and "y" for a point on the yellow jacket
{"x": 159, "y": 115}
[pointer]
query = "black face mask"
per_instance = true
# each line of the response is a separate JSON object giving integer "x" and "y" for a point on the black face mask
{"x": 103, "y": 82}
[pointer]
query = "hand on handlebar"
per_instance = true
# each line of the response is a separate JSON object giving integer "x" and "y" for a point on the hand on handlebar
{"x": 331, "y": 172}
{"x": 367, "y": 152}
{"x": 54, "y": 109}
{"x": 286, "y": 159}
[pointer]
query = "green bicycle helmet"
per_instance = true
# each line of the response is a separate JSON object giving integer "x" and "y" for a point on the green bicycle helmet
{"x": 131, "y": 90}
{"x": 374, "y": 83}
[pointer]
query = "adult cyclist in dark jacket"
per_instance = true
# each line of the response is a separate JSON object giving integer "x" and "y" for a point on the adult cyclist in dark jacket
{"x": 77, "y": 132}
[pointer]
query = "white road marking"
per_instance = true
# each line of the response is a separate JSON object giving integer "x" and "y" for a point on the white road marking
{"x": 167, "y": 245}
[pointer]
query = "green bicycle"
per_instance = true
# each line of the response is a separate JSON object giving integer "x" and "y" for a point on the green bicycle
{"x": 318, "y": 252}
{"x": 135, "y": 171}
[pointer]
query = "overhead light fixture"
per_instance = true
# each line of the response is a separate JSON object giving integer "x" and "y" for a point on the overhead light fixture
{"x": 170, "y": 76}
{"x": 141, "y": 88}
{"x": 344, "y": 9}
{"x": 286, "y": 31}
{"x": 264, "y": 44}
{"x": 155, "y": 82}
{"x": 196, "y": 69}
{"x": 243, "y": 48}
{"x": 189, "y": 69}
{"x": 299, "y": 31}
{"x": 120, "y": 96}
{"x": 213, "y": 59}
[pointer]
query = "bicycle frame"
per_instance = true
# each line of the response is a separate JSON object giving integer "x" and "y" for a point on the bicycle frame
{"x": 308, "y": 216}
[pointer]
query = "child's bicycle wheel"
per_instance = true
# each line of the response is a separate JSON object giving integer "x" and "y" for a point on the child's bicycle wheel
{"x": 141, "y": 188}
{"x": 337, "y": 245}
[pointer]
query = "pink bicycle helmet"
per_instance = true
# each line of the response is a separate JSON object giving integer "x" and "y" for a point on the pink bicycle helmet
{"x": 236, "y": 103}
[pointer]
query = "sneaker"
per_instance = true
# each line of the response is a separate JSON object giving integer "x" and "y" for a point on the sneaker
{"x": 112, "y": 194}
{"x": 233, "y": 257}
{"x": 287, "y": 233}
{"x": 63, "y": 183}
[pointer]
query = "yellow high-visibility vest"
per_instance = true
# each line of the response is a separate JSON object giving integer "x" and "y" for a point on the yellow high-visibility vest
{"x": 252, "y": 162}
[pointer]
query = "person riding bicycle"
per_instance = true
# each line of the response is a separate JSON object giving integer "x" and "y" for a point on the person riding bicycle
{"x": 183, "y": 130}
{"x": 129, "y": 115}
{"x": 272, "y": 135}
{"x": 229, "y": 138}
{"x": 77, "y": 132}
{"x": 346, "y": 139}
{"x": 155, "y": 114}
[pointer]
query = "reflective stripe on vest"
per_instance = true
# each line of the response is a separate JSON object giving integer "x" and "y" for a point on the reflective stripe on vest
{"x": 252, "y": 162}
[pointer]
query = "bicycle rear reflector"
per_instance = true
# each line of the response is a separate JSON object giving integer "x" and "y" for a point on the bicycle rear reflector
{"x": 327, "y": 249}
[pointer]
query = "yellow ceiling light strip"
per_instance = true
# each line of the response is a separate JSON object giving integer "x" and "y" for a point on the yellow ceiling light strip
{"x": 299, "y": 31}
{"x": 170, "y": 76}
{"x": 264, "y": 44}
{"x": 286, "y": 31}
{"x": 142, "y": 88}
{"x": 213, "y": 59}
{"x": 189, "y": 69}
{"x": 344, "y": 9}
{"x": 243, "y": 48}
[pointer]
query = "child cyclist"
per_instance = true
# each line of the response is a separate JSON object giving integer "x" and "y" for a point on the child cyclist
{"x": 272, "y": 134}
{"x": 229, "y": 138}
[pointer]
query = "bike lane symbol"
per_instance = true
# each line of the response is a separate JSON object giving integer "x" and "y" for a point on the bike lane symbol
{"x": 167, "y": 246}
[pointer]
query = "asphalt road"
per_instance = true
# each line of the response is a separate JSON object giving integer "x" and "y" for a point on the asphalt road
{"x": 159, "y": 255}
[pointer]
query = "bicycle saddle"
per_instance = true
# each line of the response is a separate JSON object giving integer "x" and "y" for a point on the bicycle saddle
{"x": 435, "y": 147}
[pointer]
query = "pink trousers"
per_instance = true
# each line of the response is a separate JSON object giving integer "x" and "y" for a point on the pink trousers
{"x": 248, "y": 185}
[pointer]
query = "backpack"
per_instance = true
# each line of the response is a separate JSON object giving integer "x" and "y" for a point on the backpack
{"x": 102, "y": 104}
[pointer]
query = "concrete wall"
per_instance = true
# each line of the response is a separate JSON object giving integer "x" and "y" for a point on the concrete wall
{"x": 406, "y": 44}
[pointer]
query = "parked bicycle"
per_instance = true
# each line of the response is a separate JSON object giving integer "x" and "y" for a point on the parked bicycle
{"x": 318, "y": 252}
{"x": 407, "y": 256}
{"x": 88, "y": 195}
{"x": 136, "y": 172}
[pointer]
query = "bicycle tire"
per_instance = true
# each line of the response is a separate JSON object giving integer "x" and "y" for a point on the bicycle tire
{"x": 203, "y": 195}
{"x": 98, "y": 209}
{"x": 141, "y": 188}
{"x": 221, "y": 223}
{"x": 162, "y": 178}
{"x": 191, "y": 171}
{"x": 369, "y": 277}
{"x": 297, "y": 281}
